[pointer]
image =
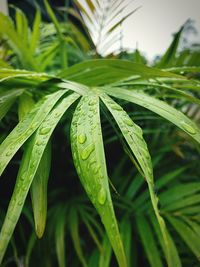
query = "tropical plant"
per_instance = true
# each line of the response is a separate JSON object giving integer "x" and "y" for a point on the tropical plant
{"x": 85, "y": 100}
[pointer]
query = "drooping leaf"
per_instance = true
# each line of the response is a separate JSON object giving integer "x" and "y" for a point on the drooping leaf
{"x": 133, "y": 135}
{"x": 89, "y": 159}
{"x": 29, "y": 165}
{"x": 105, "y": 256}
{"x": 26, "y": 128}
{"x": 39, "y": 191}
{"x": 159, "y": 107}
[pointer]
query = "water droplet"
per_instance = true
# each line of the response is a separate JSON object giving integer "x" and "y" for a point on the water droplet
{"x": 128, "y": 121}
{"x": 116, "y": 107}
{"x": 24, "y": 188}
{"x": 20, "y": 202}
{"x": 188, "y": 128}
{"x": 9, "y": 153}
{"x": 33, "y": 164}
{"x": 92, "y": 102}
{"x": 57, "y": 114}
{"x": 113, "y": 226}
{"x": 38, "y": 142}
{"x": 87, "y": 152}
{"x": 96, "y": 169}
{"x": 102, "y": 196}
{"x": 82, "y": 138}
{"x": 44, "y": 130}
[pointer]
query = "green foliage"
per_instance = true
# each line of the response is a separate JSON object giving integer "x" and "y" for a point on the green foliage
{"x": 100, "y": 103}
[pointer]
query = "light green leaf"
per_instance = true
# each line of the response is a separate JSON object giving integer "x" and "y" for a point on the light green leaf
{"x": 105, "y": 256}
{"x": 7, "y": 98}
{"x": 39, "y": 191}
{"x": 53, "y": 18}
{"x": 6, "y": 74}
{"x": 29, "y": 165}
{"x": 91, "y": 72}
{"x": 22, "y": 26}
{"x": 89, "y": 159}
{"x": 159, "y": 107}
{"x": 26, "y": 128}
{"x": 35, "y": 37}
{"x": 133, "y": 135}
{"x": 26, "y": 103}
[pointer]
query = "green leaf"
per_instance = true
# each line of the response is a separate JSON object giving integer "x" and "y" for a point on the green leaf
{"x": 73, "y": 224}
{"x": 39, "y": 191}
{"x": 89, "y": 159}
{"x": 91, "y": 72}
{"x": 26, "y": 128}
{"x": 126, "y": 232}
{"x": 26, "y": 103}
{"x": 35, "y": 36}
{"x": 53, "y": 18}
{"x": 105, "y": 256}
{"x": 159, "y": 107}
{"x": 7, "y": 98}
{"x": 6, "y": 74}
{"x": 91, "y": 230}
{"x": 22, "y": 26}
{"x": 29, "y": 165}
{"x": 148, "y": 242}
{"x": 133, "y": 135}
{"x": 168, "y": 58}
{"x": 174, "y": 253}
{"x": 8, "y": 32}
{"x": 183, "y": 203}
{"x": 60, "y": 237}
{"x": 187, "y": 234}
{"x": 179, "y": 192}
{"x": 29, "y": 249}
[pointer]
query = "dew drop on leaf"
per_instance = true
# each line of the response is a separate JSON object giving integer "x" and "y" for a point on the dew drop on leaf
{"x": 102, "y": 196}
{"x": 9, "y": 153}
{"x": 92, "y": 102}
{"x": 38, "y": 142}
{"x": 128, "y": 122}
{"x": 187, "y": 127}
{"x": 87, "y": 152}
{"x": 116, "y": 107}
{"x": 82, "y": 138}
{"x": 44, "y": 130}
{"x": 20, "y": 202}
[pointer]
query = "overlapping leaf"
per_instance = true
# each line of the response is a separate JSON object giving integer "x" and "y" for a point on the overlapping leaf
{"x": 30, "y": 162}
{"x": 89, "y": 159}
